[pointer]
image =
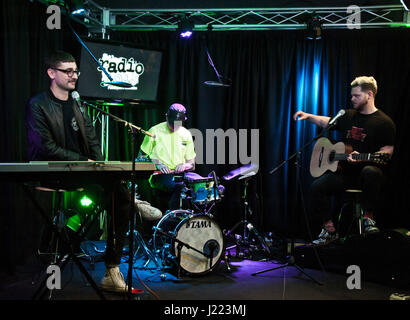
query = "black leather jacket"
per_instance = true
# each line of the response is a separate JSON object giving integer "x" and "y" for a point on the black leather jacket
{"x": 45, "y": 129}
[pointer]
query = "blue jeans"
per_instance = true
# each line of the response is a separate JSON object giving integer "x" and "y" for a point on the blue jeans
{"x": 166, "y": 184}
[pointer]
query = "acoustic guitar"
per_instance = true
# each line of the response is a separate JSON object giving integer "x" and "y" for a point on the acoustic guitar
{"x": 326, "y": 156}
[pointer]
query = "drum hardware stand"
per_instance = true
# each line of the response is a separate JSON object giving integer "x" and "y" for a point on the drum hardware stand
{"x": 212, "y": 249}
{"x": 247, "y": 226}
{"x": 145, "y": 250}
{"x": 179, "y": 248}
{"x": 291, "y": 259}
{"x": 226, "y": 260}
{"x": 205, "y": 210}
{"x": 139, "y": 240}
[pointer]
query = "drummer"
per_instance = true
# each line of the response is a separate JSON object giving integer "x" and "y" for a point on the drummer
{"x": 172, "y": 151}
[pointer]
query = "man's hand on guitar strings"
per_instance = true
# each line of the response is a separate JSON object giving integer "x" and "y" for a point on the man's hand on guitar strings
{"x": 350, "y": 158}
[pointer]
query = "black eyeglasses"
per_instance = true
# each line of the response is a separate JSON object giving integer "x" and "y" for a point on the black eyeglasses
{"x": 69, "y": 72}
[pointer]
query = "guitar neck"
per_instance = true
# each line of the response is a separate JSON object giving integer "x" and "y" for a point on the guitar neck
{"x": 358, "y": 156}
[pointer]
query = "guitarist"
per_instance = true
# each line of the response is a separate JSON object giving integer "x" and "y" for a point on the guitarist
{"x": 367, "y": 130}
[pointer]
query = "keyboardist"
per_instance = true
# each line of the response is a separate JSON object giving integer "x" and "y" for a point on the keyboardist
{"x": 60, "y": 130}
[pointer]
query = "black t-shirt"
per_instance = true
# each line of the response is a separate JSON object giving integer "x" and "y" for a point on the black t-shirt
{"x": 366, "y": 133}
{"x": 72, "y": 133}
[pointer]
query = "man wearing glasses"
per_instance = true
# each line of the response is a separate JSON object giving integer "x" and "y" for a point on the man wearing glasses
{"x": 59, "y": 130}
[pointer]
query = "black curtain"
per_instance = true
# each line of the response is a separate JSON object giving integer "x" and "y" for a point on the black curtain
{"x": 273, "y": 74}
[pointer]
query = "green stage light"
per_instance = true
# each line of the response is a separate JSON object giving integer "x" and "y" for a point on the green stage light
{"x": 86, "y": 201}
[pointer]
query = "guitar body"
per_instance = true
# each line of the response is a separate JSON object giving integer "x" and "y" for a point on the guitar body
{"x": 321, "y": 160}
{"x": 326, "y": 156}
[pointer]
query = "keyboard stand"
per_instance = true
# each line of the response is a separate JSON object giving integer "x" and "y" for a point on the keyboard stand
{"x": 64, "y": 258}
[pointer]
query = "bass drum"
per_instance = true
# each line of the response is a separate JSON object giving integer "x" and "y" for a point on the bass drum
{"x": 199, "y": 232}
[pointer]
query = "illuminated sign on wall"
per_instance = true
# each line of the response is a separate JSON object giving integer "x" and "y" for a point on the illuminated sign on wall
{"x": 120, "y": 69}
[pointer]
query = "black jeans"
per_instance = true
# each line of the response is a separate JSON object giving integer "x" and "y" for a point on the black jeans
{"x": 369, "y": 179}
{"x": 118, "y": 209}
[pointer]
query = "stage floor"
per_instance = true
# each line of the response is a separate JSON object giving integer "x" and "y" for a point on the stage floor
{"x": 238, "y": 283}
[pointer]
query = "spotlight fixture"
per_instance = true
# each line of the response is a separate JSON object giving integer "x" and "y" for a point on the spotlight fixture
{"x": 86, "y": 201}
{"x": 314, "y": 27}
{"x": 76, "y": 7}
{"x": 185, "y": 27}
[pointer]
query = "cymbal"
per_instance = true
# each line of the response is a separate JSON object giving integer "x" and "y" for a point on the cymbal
{"x": 242, "y": 172}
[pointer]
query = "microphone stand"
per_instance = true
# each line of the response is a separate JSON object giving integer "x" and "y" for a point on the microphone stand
{"x": 126, "y": 123}
{"x": 88, "y": 50}
{"x": 291, "y": 259}
{"x": 112, "y": 82}
{"x": 133, "y": 129}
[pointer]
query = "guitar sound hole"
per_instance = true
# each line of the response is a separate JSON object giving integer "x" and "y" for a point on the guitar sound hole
{"x": 332, "y": 156}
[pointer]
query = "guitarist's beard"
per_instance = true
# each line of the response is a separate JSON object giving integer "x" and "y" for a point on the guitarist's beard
{"x": 360, "y": 106}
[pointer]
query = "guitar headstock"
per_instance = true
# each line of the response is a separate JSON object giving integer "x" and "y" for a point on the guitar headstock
{"x": 381, "y": 158}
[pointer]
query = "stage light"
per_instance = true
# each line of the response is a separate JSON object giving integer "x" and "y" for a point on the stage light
{"x": 86, "y": 201}
{"x": 76, "y": 7}
{"x": 314, "y": 27}
{"x": 186, "y": 34}
{"x": 185, "y": 27}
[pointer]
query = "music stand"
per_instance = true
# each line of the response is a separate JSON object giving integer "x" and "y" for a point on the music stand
{"x": 291, "y": 259}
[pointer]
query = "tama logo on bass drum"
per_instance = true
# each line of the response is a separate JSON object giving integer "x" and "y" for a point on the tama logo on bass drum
{"x": 199, "y": 224}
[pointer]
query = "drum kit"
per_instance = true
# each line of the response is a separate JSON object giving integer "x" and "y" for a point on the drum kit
{"x": 189, "y": 241}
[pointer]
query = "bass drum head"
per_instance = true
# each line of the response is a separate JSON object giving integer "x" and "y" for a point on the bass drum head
{"x": 203, "y": 234}
{"x": 199, "y": 232}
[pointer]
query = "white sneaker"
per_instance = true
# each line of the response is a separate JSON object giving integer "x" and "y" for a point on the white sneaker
{"x": 326, "y": 237}
{"x": 370, "y": 226}
{"x": 113, "y": 280}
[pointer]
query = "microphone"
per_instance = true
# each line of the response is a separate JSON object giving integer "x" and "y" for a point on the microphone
{"x": 76, "y": 96}
{"x": 216, "y": 84}
{"x": 334, "y": 119}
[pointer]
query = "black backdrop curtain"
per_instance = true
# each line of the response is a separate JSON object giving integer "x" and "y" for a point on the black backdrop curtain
{"x": 273, "y": 73}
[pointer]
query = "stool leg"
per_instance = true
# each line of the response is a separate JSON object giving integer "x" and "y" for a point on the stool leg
{"x": 359, "y": 215}
{"x": 361, "y": 221}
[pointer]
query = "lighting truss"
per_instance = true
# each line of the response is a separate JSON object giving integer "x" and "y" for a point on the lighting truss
{"x": 97, "y": 17}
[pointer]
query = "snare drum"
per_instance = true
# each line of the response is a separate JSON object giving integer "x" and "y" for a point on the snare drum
{"x": 199, "y": 232}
